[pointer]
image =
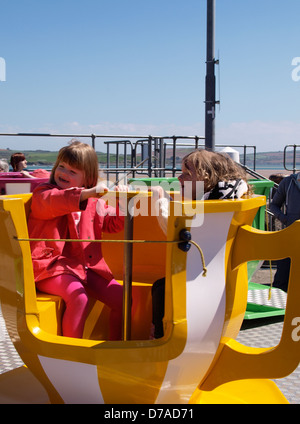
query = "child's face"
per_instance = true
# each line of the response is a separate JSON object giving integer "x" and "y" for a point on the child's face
{"x": 187, "y": 175}
{"x": 67, "y": 176}
{"x": 22, "y": 165}
{"x": 191, "y": 187}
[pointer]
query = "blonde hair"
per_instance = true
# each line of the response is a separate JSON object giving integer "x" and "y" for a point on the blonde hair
{"x": 4, "y": 167}
{"x": 212, "y": 167}
{"x": 80, "y": 156}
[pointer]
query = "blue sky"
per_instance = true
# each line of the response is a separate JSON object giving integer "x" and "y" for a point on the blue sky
{"x": 137, "y": 67}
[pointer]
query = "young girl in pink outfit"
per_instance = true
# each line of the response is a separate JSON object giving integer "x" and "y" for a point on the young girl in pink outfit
{"x": 68, "y": 208}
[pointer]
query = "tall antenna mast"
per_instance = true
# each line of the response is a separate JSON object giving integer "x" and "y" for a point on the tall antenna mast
{"x": 210, "y": 80}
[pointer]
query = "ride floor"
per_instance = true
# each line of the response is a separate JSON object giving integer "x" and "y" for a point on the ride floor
{"x": 262, "y": 332}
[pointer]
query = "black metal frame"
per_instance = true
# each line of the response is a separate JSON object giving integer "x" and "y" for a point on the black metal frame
{"x": 147, "y": 155}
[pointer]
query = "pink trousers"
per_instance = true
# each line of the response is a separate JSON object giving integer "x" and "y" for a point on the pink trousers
{"x": 75, "y": 296}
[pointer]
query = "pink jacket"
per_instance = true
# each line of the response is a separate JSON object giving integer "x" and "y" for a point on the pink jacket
{"x": 51, "y": 217}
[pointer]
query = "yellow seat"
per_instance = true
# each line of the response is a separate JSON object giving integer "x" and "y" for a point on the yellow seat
{"x": 148, "y": 266}
{"x": 198, "y": 353}
{"x": 50, "y": 309}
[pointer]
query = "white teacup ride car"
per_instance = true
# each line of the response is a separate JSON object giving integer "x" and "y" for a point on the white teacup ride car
{"x": 198, "y": 359}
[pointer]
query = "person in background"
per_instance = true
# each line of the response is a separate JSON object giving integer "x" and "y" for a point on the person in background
{"x": 276, "y": 178}
{"x": 4, "y": 167}
{"x": 288, "y": 195}
{"x": 19, "y": 164}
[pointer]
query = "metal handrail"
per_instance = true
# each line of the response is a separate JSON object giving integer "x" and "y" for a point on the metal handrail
{"x": 294, "y": 157}
{"x": 152, "y": 147}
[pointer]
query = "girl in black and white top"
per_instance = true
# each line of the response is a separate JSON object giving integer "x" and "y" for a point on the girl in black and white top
{"x": 205, "y": 175}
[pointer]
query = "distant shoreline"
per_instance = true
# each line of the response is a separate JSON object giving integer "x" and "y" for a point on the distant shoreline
{"x": 265, "y": 172}
{"x": 264, "y": 161}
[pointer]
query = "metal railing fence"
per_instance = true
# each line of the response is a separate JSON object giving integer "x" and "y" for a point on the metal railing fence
{"x": 153, "y": 156}
{"x": 293, "y": 159}
{"x": 144, "y": 155}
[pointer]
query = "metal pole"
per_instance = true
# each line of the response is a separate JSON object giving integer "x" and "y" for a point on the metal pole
{"x": 127, "y": 273}
{"x": 210, "y": 82}
{"x": 150, "y": 156}
{"x": 93, "y": 140}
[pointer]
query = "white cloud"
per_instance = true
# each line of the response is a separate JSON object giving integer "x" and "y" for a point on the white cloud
{"x": 266, "y": 136}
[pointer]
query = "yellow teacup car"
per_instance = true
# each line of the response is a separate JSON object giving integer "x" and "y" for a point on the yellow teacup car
{"x": 197, "y": 360}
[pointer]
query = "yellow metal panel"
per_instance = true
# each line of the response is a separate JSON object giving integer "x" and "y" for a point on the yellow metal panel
{"x": 133, "y": 371}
